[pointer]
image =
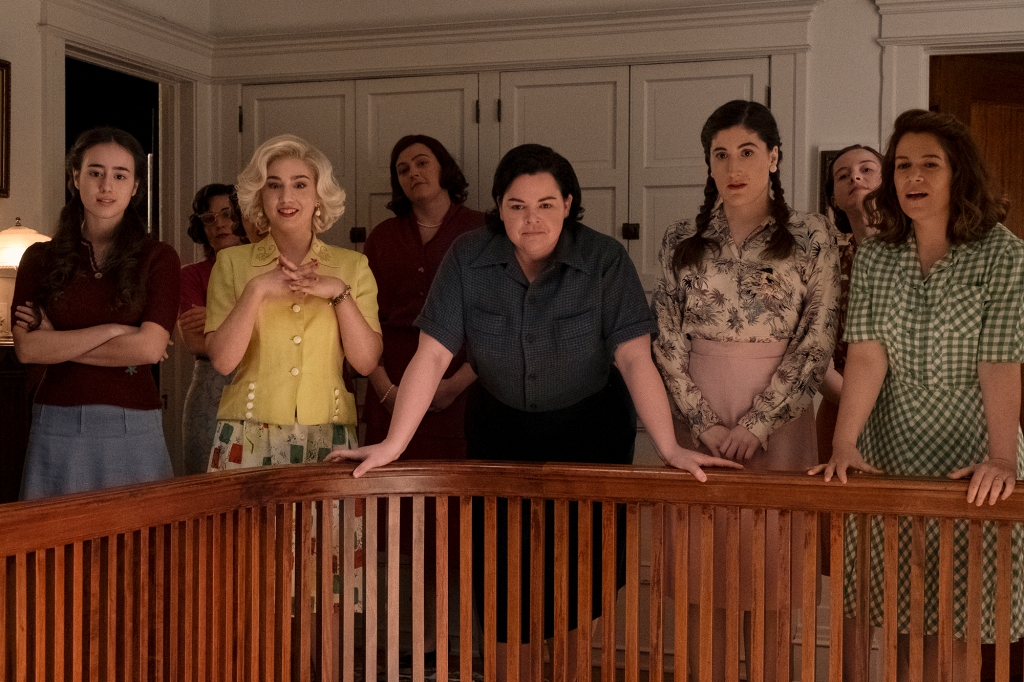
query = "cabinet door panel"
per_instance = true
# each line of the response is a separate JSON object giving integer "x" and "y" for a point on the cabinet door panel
{"x": 583, "y": 114}
{"x": 323, "y": 114}
{"x": 669, "y": 104}
{"x": 443, "y": 107}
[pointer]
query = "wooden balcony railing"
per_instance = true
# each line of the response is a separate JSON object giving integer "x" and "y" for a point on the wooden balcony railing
{"x": 215, "y": 577}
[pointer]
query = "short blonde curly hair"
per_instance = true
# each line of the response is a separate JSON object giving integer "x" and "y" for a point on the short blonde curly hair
{"x": 251, "y": 180}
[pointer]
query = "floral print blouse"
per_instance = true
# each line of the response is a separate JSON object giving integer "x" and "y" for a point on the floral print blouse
{"x": 739, "y": 296}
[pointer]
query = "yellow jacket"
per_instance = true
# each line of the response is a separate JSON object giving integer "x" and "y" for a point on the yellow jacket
{"x": 292, "y": 369}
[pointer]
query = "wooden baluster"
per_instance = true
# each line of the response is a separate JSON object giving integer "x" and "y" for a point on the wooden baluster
{"x": 707, "y": 591}
{"x": 41, "y": 614}
{"x": 755, "y": 657}
{"x": 325, "y": 534}
{"x": 3, "y": 618}
{"x": 681, "y": 543}
{"x": 585, "y": 590}
{"x": 306, "y": 586}
{"x": 608, "y": 592}
{"x": 536, "y": 588}
{"x": 216, "y": 616}
{"x": 632, "y": 592}
{"x": 349, "y": 587}
{"x": 203, "y": 596}
{"x": 656, "y": 661}
{"x": 441, "y": 589}
{"x": 152, "y": 545}
{"x": 974, "y": 552}
{"x": 173, "y": 607}
{"x": 21, "y": 617}
{"x": 809, "y": 639}
{"x": 490, "y": 615}
{"x": 232, "y": 571}
{"x": 783, "y": 639}
{"x": 189, "y": 607}
{"x": 288, "y": 546}
{"x": 243, "y": 531}
{"x": 917, "y": 537}
{"x": 837, "y": 569}
{"x": 514, "y": 634}
{"x": 257, "y": 533}
{"x": 271, "y": 591}
{"x": 130, "y": 617}
{"x": 418, "y": 609}
{"x": 890, "y": 559}
{"x": 112, "y": 571}
{"x": 465, "y": 588}
{"x": 78, "y": 608}
{"x": 946, "y": 600}
{"x": 59, "y": 612}
{"x": 95, "y": 577}
{"x": 394, "y": 529}
{"x": 1004, "y": 576}
{"x": 732, "y": 594}
{"x": 371, "y": 592}
{"x": 863, "y": 576}
{"x": 559, "y": 653}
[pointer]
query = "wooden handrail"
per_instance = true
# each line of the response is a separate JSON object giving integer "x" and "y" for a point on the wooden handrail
{"x": 25, "y": 526}
{"x": 203, "y": 578}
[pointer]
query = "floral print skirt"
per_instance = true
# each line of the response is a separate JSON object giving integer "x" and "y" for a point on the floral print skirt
{"x": 241, "y": 443}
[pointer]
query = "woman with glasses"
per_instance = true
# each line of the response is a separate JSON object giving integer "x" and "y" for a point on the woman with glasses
{"x": 214, "y": 225}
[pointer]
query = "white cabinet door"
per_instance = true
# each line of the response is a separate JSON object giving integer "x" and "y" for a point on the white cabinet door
{"x": 443, "y": 107}
{"x": 583, "y": 114}
{"x": 323, "y": 114}
{"x": 669, "y": 105}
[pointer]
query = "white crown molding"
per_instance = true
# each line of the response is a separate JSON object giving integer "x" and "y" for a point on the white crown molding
{"x": 961, "y": 44}
{"x": 922, "y": 6}
{"x": 126, "y": 34}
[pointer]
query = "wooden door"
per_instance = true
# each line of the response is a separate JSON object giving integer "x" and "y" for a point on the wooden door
{"x": 669, "y": 104}
{"x": 387, "y": 109}
{"x": 323, "y": 114}
{"x": 998, "y": 129}
{"x": 583, "y": 114}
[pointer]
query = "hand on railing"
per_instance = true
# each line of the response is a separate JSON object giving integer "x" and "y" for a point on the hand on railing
{"x": 692, "y": 461}
{"x": 988, "y": 479}
{"x": 844, "y": 457}
{"x": 371, "y": 456}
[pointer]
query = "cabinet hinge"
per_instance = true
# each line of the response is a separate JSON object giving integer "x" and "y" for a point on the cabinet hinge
{"x": 768, "y": 96}
{"x": 478, "y": 111}
{"x": 239, "y": 119}
{"x": 499, "y": 111}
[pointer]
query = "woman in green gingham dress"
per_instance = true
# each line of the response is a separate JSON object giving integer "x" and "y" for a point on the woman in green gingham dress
{"x": 936, "y": 332}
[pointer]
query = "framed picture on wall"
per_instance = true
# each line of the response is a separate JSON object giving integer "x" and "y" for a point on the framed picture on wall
{"x": 827, "y": 157}
{"x": 5, "y": 129}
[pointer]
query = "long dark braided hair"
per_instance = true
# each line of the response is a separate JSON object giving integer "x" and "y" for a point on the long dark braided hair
{"x": 758, "y": 119}
{"x": 64, "y": 259}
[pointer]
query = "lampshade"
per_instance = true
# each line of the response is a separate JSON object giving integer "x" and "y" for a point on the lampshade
{"x": 14, "y": 241}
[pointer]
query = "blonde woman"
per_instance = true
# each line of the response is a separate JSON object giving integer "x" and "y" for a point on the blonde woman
{"x": 285, "y": 313}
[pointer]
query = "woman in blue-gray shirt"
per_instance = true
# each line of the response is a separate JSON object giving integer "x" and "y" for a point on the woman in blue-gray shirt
{"x": 557, "y": 328}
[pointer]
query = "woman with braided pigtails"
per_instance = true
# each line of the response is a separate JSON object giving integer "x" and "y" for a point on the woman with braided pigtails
{"x": 747, "y": 309}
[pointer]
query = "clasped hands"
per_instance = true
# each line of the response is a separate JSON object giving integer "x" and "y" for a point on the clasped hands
{"x": 288, "y": 277}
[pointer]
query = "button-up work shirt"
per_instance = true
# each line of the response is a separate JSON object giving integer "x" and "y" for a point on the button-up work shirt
{"x": 543, "y": 345}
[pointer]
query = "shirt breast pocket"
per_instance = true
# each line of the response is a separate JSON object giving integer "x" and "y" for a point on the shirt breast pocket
{"x": 487, "y": 334}
{"x": 961, "y": 320}
{"x": 578, "y": 335}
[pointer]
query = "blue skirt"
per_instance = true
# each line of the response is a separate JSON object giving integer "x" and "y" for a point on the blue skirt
{"x": 91, "y": 447}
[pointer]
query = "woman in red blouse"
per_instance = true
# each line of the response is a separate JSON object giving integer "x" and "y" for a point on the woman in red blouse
{"x": 428, "y": 191}
{"x": 97, "y": 307}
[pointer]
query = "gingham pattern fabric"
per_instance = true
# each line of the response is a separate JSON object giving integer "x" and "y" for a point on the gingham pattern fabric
{"x": 929, "y": 418}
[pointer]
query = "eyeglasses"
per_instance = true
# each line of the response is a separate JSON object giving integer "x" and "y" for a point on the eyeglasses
{"x": 211, "y": 218}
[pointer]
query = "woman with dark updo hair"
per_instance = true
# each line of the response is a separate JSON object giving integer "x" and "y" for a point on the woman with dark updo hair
{"x": 97, "y": 305}
{"x": 214, "y": 225}
{"x": 747, "y": 307}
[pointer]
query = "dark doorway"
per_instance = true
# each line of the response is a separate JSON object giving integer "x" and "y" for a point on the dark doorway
{"x": 97, "y": 96}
